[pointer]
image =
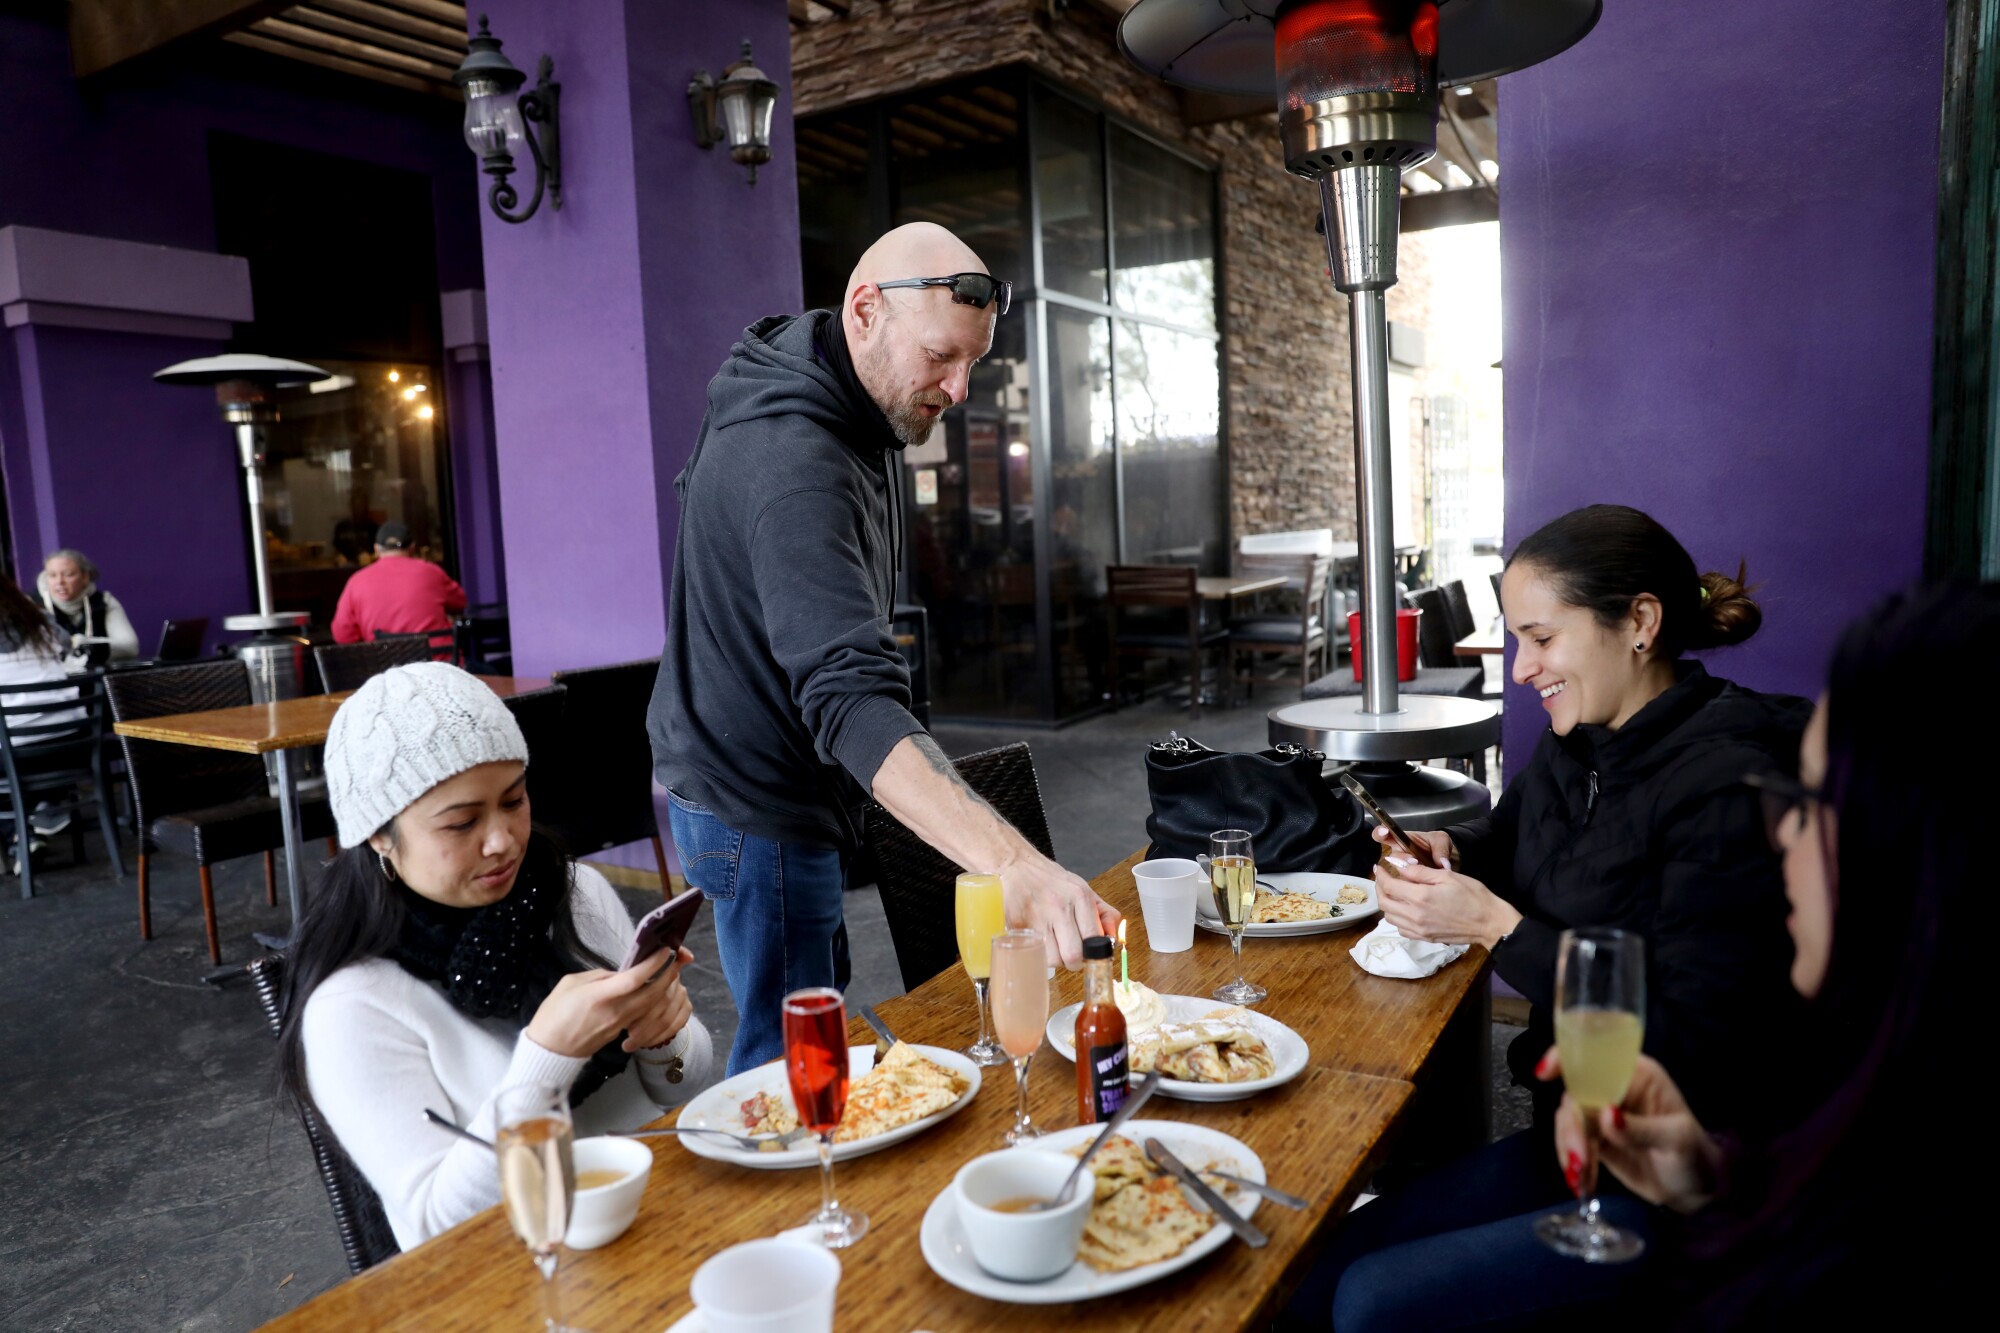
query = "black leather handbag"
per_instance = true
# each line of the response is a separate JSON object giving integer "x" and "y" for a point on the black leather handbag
{"x": 1296, "y": 820}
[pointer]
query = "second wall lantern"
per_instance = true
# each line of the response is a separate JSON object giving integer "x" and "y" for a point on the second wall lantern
{"x": 497, "y": 123}
{"x": 745, "y": 98}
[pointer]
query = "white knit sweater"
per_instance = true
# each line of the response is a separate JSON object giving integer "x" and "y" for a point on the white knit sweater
{"x": 382, "y": 1045}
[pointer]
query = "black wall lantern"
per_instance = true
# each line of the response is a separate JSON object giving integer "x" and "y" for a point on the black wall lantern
{"x": 745, "y": 97}
{"x": 494, "y": 124}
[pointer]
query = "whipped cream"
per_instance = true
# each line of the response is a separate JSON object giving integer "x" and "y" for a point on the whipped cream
{"x": 1142, "y": 1006}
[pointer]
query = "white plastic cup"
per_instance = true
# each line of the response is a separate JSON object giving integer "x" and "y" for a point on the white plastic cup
{"x": 603, "y": 1214}
{"x": 1022, "y": 1247}
{"x": 780, "y": 1285}
{"x": 1169, "y": 888}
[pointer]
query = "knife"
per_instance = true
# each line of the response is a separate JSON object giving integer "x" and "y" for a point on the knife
{"x": 1256, "y": 1187}
{"x": 1173, "y": 1166}
{"x": 887, "y": 1038}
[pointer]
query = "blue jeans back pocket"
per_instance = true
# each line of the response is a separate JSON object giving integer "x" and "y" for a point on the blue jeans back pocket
{"x": 708, "y": 848}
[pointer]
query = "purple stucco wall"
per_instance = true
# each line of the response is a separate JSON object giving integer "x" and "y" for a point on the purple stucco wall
{"x": 608, "y": 318}
{"x": 475, "y": 481}
{"x": 1717, "y": 238}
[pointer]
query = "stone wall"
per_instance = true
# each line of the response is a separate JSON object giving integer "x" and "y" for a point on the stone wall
{"x": 1288, "y": 403}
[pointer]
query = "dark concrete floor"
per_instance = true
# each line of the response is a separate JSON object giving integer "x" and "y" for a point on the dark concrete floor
{"x": 152, "y": 1180}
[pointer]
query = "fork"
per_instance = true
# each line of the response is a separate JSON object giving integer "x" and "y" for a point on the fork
{"x": 776, "y": 1143}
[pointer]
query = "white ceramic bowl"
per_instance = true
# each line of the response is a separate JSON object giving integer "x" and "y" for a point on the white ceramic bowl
{"x": 601, "y": 1215}
{"x": 779, "y": 1285}
{"x": 1022, "y": 1247}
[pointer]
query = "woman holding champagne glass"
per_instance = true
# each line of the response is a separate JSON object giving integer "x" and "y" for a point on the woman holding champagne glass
{"x": 1881, "y": 863}
{"x": 1630, "y": 815}
{"x": 451, "y": 951}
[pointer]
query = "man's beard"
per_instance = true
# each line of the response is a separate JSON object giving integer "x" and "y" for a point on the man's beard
{"x": 906, "y": 419}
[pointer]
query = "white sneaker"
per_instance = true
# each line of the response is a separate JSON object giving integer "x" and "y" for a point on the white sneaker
{"x": 35, "y": 844}
{"x": 48, "y": 822}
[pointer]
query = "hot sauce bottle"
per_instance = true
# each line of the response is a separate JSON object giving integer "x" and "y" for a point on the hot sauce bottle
{"x": 1102, "y": 1069}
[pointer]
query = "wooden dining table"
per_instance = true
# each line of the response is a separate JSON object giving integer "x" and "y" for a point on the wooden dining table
{"x": 276, "y": 729}
{"x": 1320, "y": 1135}
{"x": 1228, "y": 587}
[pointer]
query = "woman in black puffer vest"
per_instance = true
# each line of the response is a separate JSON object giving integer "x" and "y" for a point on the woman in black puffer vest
{"x": 1631, "y": 813}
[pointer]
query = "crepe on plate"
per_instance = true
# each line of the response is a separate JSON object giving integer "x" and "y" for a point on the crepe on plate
{"x": 1221, "y": 1048}
{"x": 1139, "y": 1216}
{"x": 1285, "y": 908}
{"x": 901, "y": 1089}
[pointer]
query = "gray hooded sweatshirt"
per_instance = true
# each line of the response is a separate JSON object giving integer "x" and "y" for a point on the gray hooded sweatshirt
{"x": 781, "y": 690}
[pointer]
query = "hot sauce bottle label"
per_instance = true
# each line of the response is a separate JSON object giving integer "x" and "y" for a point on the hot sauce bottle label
{"x": 1109, "y": 1078}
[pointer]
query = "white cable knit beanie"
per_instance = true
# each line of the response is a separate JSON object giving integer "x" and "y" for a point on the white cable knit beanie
{"x": 404, "y": 732}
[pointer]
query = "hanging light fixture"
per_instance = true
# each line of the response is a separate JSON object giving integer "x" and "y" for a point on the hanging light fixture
{"x": 746, "y": 97}
{"x": 497, "y": 122}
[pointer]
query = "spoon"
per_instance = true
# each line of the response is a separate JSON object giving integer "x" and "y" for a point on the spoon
{"x": 1133, "y": 1101}
{"x": 455, "y": 1128}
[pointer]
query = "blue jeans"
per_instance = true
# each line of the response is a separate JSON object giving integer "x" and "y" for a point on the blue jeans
{"x": 778, "y": 924}
{"x": 1456, "y": 1249}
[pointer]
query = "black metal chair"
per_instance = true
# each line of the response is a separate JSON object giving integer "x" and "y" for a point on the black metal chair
{"x": 1460, "y": 608}
{"x": 606, "y": 761}
{"x": 349, "y": 666}
{"x": 540, "y": 714}
{"x": 1436, "y": 639}
{"x": 1168, "y": 621}
{"x": 51, "y": 743}
{"x": 365, "y": 1236}
{"x": 916, "y": 879}
{"x": 213, "y": 805}
{"x": 441, "y": 643}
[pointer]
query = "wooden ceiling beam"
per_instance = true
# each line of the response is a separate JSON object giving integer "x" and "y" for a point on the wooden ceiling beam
{"x": 366, "y": 53}
{"x": 313, "y": 16}
{"x": 327, "y": 60}
{"x": 1449, "y": 208}
{"x": 387, "y": 16}
{"x": 104, "y": 34}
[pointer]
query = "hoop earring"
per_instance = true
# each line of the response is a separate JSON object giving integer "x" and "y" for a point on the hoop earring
{"x": 388, "y": 871}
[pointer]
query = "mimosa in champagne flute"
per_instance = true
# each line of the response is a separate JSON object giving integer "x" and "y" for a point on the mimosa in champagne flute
{"x": 1600, "y": 1024}
{"x": 980, "y": 916}
{"x": 1232, "y": 877}
{"x": 1020, "y": 1012}
{"x": 816, "y": 1061}
{"x": 537, "y": 1179}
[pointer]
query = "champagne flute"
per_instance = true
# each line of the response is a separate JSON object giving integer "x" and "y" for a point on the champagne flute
{"x": 980, "y": 916}
{"x": 537, "y": 1178}
{"x": 1600, "y": 1023}
{"x": 816, "y": 1061}
{"x": 1020, "y": 1012}
{"x": 1232, "y": 877}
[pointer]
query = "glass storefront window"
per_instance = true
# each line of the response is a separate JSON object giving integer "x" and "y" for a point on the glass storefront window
{"x": 1069, "y": 180}
{"x": 1168, "y": 407}
{"x": 1083, "y": 502}
{"x": 1165, "y": 242}
{"x": 347, "y": 455}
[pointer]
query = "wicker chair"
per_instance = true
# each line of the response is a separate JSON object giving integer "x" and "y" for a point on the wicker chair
{"x": 214, "y": 805}
{"x": 606, "y": 761}
{"x": 349, "y": 666}
{"x": 365, "y": 1236}
{"x": 916, "y": 880}
{"x": 51, "y": 742}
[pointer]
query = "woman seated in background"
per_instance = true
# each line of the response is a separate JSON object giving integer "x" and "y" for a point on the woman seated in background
{"x": 1630, "y": 813}
{"x": 1840, "y": 1213}
{"x": 95, "y": 621}
{"x": 451, "y": 950}
{"x": 32, "y": 652}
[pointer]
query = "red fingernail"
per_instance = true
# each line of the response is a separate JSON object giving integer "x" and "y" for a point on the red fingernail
{"x": 1542, "y": 1067}
{"x": 1618, "y": 1117}
{"x": 1573, "y": 1171}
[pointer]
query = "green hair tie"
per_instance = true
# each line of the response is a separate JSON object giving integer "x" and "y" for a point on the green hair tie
{"x": 1704, "y": 592}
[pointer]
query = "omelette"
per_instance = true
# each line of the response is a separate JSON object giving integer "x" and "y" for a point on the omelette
{"x": 901, "y": 1089}
{"x": 1285, "y": 908}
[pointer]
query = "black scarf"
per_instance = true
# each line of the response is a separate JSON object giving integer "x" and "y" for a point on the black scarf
{"x": 498, "y": 961}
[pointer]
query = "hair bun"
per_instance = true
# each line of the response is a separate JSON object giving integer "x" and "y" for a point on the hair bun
{"x": 1728, "y": 613}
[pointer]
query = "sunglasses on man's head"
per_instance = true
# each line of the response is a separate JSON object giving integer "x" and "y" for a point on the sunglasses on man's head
{"x": 974, "y": 289}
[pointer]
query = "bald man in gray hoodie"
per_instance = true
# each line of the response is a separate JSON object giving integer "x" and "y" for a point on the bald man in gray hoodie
{"x": 782, "y": 703}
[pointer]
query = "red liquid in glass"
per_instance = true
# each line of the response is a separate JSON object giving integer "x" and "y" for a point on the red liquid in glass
{"x": 816, "y": 1060}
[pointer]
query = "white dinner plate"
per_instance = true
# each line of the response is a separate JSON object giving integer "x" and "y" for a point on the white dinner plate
{"x": 720, "y": 1108}
{"x": 691, "y": 1322}
{"x": 1288, "y": 1048}
{"x": 950, "y": 1257}
{"x": 1323, "y": 887}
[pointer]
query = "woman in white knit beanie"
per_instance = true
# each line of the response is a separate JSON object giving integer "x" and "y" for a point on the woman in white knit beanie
{"x": 451, "y": 950}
